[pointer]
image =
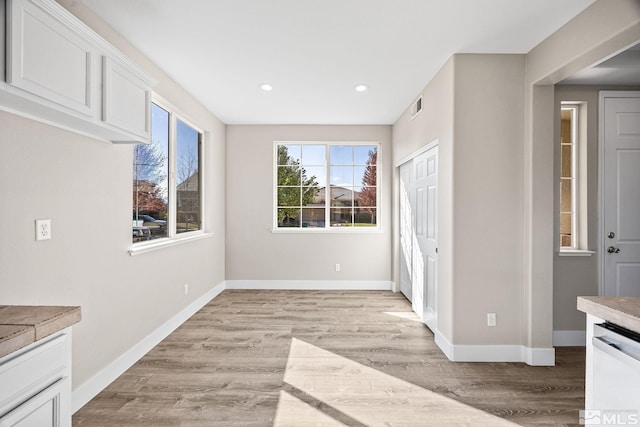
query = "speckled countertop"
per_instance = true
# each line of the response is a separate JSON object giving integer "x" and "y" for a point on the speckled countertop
{"x": 622, "y": 311}
{"x": 21, "y": 325}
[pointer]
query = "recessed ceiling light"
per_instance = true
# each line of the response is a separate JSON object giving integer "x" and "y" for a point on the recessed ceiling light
{"x": 361, "y": 87}
{"x": 266, "y": 86}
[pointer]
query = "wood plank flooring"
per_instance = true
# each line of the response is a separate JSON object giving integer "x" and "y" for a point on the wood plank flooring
{"x": 327, "y": 358}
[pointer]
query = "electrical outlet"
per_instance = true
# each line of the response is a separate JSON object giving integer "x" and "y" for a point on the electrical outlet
{"x": 186, "y": 289}
{"x": 43, "y": 229}
{"x": 492, "y": 319}
{"x": 337, "y": 267}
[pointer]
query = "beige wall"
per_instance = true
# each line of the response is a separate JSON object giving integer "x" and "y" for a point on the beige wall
{"x": 602, "y": 30}
{"x": 254, "y": 252}
{"x": 434, "y": 122}
{"x": 84, "y": 186}
{"x": 479, "y": 127}
{"x": 488, "y": 198}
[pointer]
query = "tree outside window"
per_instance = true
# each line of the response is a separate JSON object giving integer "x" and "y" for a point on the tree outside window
{"x": 167, "y": 197}
{"x": 326, "y": 185}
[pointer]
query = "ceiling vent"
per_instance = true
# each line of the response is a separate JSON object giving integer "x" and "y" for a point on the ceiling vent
{"x": 416, "y": 107}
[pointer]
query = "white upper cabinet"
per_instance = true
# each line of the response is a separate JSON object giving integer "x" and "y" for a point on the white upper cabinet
{"x": 49, "y": 59}
{"x": 126, "y": 99}
{"x": 61, "y": 72}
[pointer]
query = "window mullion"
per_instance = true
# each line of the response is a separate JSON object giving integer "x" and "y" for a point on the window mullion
{"x": 327, "y": 190}
{"x": 172, "y": 176}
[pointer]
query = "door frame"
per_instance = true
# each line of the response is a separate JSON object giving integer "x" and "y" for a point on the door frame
{"x": 601, "y": 231}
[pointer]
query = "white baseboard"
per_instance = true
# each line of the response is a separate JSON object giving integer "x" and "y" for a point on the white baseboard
{"x": 495, "y": 353}
{"x": 540, "y": 356}
{"x": 326, "y": 285}
{"x": 89, "y": 389}
{"x": 569, "y": 338}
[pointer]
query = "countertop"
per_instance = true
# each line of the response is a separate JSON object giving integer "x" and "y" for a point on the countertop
{"x": 21, "y": 325}
{"x": 622, "y": 311}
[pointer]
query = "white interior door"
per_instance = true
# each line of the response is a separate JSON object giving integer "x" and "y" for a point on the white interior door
{"x": 418, "y": 233}
{"x": 406, "y": 228}
{"x": 621, "y": 193}
{"x": 425, "y": 242}
{"x": 429, "y": 239}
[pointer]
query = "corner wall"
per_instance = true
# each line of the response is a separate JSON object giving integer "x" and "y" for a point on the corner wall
{"x": 434, "y": 122}
{"x": 474, "y": 107}
{"x": 599, "y": 32}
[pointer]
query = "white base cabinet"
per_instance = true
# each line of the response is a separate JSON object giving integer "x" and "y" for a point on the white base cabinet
{"x": 35, "y": 384}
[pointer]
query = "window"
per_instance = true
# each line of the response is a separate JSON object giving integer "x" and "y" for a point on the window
{"x": 573, "y": 195}
{"x": 167, "y": 182}
{"x": 568, "y": 124}
{"x": 323, "y": 186}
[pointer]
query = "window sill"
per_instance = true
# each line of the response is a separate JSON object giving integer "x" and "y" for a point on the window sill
{"x": 575, "y": 252}
{"x": 334, "y": 230}
{"x": 142, "y": 248}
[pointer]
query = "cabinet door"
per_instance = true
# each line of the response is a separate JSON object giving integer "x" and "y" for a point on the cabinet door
{"x": 126, "y": 99}
{"x": 45, "y": 409}
{"x": 47, "y": 58}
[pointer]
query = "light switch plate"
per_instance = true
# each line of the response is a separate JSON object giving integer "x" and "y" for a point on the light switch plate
{"x": 43, "y": 229}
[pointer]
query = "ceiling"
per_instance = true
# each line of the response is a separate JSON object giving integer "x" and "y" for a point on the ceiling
{"x": 622, "y": 69}
{"x": 314, "y": 52}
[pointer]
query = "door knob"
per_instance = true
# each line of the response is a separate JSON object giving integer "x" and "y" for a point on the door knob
{"x": 613, "y": 250}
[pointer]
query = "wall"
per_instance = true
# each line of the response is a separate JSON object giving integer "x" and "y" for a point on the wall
{"x": 254, "y": 252}
{"x": 84, "y": 186}
{"x": 488, "y": 200}
{"x": 576, "y": 276}
{"x": 479, "y": 128}
{"x": 600, "y": 31}
{"x": 434, "y": 122}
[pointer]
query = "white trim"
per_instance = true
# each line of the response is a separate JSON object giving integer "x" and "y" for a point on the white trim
{"x": 154, "y": 245}
{"x": 433, "y": 143}
{"x": 569, "y": 338}
{"x": 326, "y": 285}
{"x": 574, "y": 178}
{"x": 89, "y": 389}
{"x": 443, "y": 343}
{"x": 495, "y": 353}
{"x": 539, "y": 356}
{"x": 575, "y": 252}
{"x": 329, "y": 230}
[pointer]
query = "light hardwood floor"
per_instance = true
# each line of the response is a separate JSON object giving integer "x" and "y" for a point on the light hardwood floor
{"x": 326, "y": 358}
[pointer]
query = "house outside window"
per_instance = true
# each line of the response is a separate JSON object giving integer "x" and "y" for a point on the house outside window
{"x": 326, "y": 186}
{"x": 167, "y": 179}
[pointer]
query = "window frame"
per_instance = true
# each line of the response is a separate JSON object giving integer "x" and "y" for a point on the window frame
{"x": 573, "y": 179}
{"x": 173, "y": 237}
{"x": 579, "y": 208}
{"x": 327, "y": 228}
